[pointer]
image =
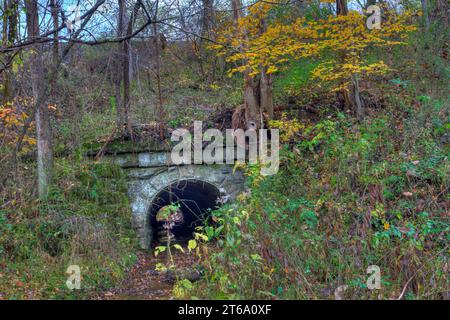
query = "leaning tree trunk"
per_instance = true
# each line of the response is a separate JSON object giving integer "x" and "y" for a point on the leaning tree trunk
{"x": 251, "y": 101}
{"x": 266, "y": 94}
{"x": 43, "y": 129}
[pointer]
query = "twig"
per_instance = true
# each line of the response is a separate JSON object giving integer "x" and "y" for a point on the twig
{"x": 415, "y": 273}
{"x": 102, "y": 150}
{"x": 406, "y": 285}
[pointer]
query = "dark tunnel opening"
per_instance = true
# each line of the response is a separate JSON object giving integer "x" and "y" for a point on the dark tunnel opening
{"x": 195, "y": 198}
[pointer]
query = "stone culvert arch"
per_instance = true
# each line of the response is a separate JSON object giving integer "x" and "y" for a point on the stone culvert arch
{"x": 150, "y": 174}
{"x": 194, "y": 198}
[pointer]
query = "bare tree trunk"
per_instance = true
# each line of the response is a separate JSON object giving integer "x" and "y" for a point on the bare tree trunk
{"x": 9, "y": 34}
{"x": 202, "y": 54}
{"x": 5, "y": 23}
{"x": 341, "y": 7}
{"x": 356, "y": 97}
{"x": 426, "y": 14}
{"x": 118, "y": 98}
{"x": 127, "y": 70}
{"x": 251, "y": 102}
{"x": 156, "y": 42}
{"x": 343, "y": 95}
{"x": 266, "y": 93}
{"x": 55, "y": 10}
{"x": 43, "y": 129}
{"x": 6, "y": 79}
{"x": 120, "y": 117}
{"x": 207, "y": 17}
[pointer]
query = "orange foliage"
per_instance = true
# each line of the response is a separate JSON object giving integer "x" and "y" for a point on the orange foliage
{"x": 12, "y": 119}
{"x": 346, "y": 37}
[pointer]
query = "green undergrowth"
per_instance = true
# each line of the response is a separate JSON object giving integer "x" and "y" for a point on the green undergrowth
{"x": 348, "y": 195}
{"x": 85, "y": 221}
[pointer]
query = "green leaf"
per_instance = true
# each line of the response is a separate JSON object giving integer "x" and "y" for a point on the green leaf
{"x": 255, "y": 257}
{"x": 178, "y": 247}
{"x": 160, "y": 249}
{"x": 201, "y": 236}
{"x": 192, "y": 244}
{"x": 209, "y": 232}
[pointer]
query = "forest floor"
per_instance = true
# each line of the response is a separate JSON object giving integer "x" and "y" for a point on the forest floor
{"x": 144, "y": 282}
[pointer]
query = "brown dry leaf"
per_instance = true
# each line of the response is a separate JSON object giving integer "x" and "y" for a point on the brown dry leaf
{"x": 404, "y": 229}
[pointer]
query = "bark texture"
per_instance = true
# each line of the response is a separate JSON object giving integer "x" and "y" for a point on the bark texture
{"x": 43, "y": 129}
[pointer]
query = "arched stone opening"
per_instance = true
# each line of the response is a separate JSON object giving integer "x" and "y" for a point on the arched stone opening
{"x": 195, "y": 199}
